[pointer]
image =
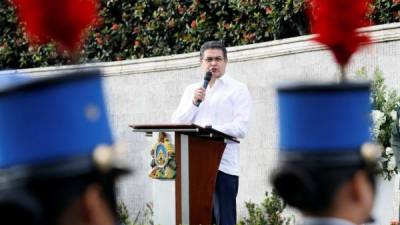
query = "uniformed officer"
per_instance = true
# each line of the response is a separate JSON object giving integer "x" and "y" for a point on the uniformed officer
{"x": 327, "y": 160}
{"x": 58, "y": 161}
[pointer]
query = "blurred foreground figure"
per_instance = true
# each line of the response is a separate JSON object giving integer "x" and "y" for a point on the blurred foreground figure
{"x": 58, "y": 163}
{"x": 64, "y": 22}
{"x": 327, "y": 163}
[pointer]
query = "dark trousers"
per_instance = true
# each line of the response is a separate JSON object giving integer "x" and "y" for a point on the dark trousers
{"x": 224, "y": 202}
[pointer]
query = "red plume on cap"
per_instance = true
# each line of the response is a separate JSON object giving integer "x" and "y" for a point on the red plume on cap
{"x": 336, "y": 21}
{"x": 63, "y": 21}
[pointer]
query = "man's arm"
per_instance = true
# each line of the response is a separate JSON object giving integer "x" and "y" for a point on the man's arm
{"x": 186, "y": 110}
{"x": 242, "y": 106}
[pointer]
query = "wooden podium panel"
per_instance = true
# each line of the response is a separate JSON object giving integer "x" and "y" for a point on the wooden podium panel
{"x": 204, "y": 157}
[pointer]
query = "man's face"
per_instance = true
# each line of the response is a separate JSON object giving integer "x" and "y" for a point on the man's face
{"x": 213, "y": 60}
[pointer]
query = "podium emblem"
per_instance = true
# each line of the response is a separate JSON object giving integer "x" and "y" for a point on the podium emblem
{"x": 161, "y": 154}
{"x": 163, "y": 159}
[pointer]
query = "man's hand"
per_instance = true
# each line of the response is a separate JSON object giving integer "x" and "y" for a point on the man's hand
{"x": 199, "y": 94}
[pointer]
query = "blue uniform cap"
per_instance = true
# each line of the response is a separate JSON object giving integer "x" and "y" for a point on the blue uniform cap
{"x": 317, "y": 119}
{"x": 47, "y": 119}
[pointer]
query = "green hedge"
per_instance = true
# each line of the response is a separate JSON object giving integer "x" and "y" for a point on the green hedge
{"x": 144, "y": 28}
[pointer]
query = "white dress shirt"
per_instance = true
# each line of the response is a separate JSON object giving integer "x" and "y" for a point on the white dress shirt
{"x": 226, "y": 107}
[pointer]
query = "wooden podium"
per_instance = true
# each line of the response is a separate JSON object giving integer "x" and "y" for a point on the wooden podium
{"x": 198, "y": 154}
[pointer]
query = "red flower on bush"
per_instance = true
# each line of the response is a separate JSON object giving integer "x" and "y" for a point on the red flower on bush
{"x": 193, "y": 25}
{"x": 249, "y": 36}
{"x": 395, "y": 2}
{"x": 114, "y": 27}
{"x": 336, "y": 22}
{"x": 171, "y": 24}
{"x": 227, "y": 25}
{"x": 99, "y": 41}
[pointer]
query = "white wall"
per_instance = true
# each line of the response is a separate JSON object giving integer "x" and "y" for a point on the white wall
{"x": 148, "y": 90}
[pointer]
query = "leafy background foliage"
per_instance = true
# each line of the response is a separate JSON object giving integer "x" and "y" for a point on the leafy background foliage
{"x": 143, "y": 217}
{"x": 269, "y": 212}
{"x": 144, "y": 28}
{"x": 385, "y": 101}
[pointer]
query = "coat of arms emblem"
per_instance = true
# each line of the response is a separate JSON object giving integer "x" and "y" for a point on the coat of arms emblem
{"x": 163, "y": 163}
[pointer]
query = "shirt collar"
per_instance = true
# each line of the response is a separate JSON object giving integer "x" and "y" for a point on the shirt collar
{"x": 223, "y": 79}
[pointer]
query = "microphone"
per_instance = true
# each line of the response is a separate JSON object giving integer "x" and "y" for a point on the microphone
{"x": 207, "y": 79}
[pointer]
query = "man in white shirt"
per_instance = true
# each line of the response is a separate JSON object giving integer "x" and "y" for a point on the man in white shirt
{"x": 226, "y": 106}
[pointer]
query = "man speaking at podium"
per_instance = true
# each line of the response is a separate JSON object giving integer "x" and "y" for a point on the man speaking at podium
{"x": 225, "y": 104}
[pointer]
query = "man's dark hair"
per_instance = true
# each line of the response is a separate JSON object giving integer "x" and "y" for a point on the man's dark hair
{"x": 213, "y": 45}
{"x": 43, "y": 201}
{"x": 313, "y": 189}
{"x": 40, "y": 194}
